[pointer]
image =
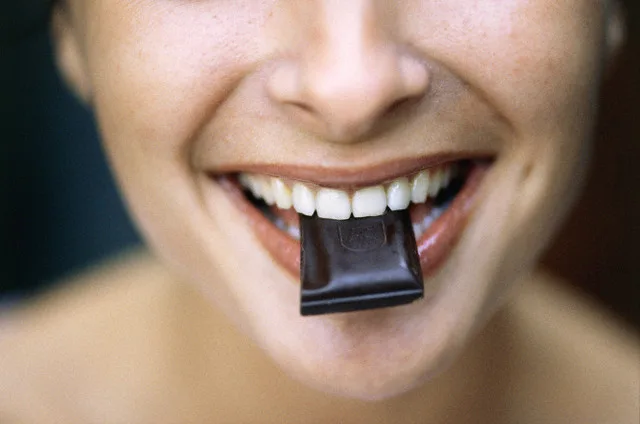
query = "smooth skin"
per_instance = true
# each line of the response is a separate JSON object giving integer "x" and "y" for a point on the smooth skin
{"x": 191, "y": 333}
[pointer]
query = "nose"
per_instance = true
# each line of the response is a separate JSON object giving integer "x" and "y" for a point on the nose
{"x": 346, "y": 72}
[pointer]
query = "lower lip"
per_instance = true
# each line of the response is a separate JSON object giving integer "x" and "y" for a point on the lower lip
{"x": 434, "y": 246}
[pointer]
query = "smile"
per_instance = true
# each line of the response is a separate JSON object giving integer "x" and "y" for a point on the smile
{"x": 440, "y": 199}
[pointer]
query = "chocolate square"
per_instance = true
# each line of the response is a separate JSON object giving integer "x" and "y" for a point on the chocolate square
{"x": 358, "y": 264}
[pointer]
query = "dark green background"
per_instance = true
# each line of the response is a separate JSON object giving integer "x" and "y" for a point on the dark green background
{"x": 58, "y": 207}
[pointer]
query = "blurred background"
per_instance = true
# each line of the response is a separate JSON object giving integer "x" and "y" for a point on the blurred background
{"x": 60, "y": 212}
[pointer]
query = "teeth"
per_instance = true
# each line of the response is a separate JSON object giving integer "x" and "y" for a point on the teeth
{"x": 399, "y": 194}
{"x": 340, "y": 204}
{"x": 245, "y": 180}
{"x": 267, "y": 192}
{"x": 281, "y": 193}
{"x": 252, "y": 184}
{"x": 304, "y": 201}
{"x": 370, "y": 201}
{"x": 333, "y": 204}
{"x": 446, "y": 177}
{"x": 420, "y": 227}
{"x": 420, "y": 187}
{"x": 435, "y": 183}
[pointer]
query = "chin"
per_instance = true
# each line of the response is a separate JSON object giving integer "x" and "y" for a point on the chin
{"x": 383, "y": 353}
{"x": 371, "y": 356}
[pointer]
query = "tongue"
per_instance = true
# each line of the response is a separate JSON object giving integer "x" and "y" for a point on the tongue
{"x": 288, "y": 216}
{"x": 420, "y": 211}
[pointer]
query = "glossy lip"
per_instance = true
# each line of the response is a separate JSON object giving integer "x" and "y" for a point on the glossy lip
{"x": 434, "y": 245}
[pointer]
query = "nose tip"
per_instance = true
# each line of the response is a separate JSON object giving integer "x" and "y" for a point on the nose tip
{"x": 345, "y": 100}
{"x": 345, "y": 84}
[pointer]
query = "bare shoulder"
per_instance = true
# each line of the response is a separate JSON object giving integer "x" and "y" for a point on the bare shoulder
{"x": 54, "y": 347}
{"x": 126, "y": 342}
{"x": 104, "y": 293}
{"x": 576, "y": 362}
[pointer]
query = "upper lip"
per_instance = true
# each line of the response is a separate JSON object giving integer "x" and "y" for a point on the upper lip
{"x": 350, "y": 177}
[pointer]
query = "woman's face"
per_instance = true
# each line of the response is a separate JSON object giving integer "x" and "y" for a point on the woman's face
{"x": 345, "y": 95}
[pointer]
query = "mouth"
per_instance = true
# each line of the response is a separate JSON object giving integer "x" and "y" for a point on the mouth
{"x": 440, "y": 198}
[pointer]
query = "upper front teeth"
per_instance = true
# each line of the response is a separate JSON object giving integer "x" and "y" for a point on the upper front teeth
{"x": 304, "y": 200}
{"x": 340, "y": 204}
{"x": 399, "y": 194}
{"x": 333, "y": 204}
{"x": 370, "y": 201}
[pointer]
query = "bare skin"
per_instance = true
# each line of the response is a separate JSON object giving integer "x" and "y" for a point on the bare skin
{"x": 331, "y": 93}
{"x": 127, "y": 343}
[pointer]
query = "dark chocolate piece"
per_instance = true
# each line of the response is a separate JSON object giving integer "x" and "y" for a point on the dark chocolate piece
{"x": 359, "y": 263}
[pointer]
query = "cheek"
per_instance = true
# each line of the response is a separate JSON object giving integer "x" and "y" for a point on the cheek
{"x": 536, "y": 61}
{"x": 159, "y": 70}
{"x": 539, "y": 63}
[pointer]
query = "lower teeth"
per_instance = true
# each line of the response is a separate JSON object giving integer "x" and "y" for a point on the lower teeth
{"x": 419, "y": 228}
{"x": 292, "y": 230}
